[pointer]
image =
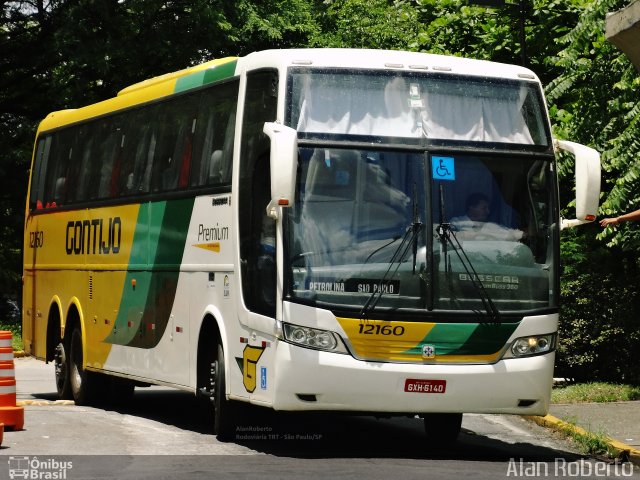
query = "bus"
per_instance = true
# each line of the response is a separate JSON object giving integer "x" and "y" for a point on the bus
{"x": 298, "y": 230}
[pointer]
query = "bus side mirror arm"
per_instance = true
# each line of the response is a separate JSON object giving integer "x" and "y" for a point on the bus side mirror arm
{"x": 587, "y": 182}
{"x": 284, "y": 164}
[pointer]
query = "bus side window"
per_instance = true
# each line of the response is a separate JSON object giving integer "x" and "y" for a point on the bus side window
{"x": 84, "y": 160}
{"x": 144, "y": 137}
{"x": 135, "y": 137}
{"x": 38, "y": 175}
{"x": 97, "y": 158}
{"x": 213, "y": 137}
{"x": 173, "y": 157}
{"x": 109, "y": 152}
{"x": 61, "y": 157}
{"x": 161, "y": 150}
{"x": 116, "y": 173}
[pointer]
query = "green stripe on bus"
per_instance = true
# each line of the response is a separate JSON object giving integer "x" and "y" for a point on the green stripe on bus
{"x": 210, "y": 75}
{"x": 487, "y": 338}
{"x": 172, "y": 234}
{"x": 466, "y": 338}
{"x": 447, "y": 337}
{"x": 137, "y": 283}
{"x": 149, "y": 292}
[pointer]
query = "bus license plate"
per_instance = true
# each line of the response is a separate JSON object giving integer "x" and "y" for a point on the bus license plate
{"x": 425, "y": 386}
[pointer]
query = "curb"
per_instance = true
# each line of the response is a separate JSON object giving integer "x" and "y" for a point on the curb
{"x": 549, "y": 421}
{"x": 19, "y": 354}
{"x": 44, "y": 403}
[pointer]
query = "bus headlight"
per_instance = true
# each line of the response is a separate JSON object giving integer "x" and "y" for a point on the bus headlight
{"x": 313, "y": 338}
{"x": 533, "y": 345}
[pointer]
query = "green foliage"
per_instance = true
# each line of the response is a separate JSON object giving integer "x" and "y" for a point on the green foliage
{"x": 589, "y": 443}
{"x": 14, "y": 154}
{"x": 379, "y": 24}
{"x": 595, "y": 392}
{"x": 451, "y": 27}
{"x": 596, "y": 103}
{"x": 15, "y": 328}
{"x": 599, "y": 335}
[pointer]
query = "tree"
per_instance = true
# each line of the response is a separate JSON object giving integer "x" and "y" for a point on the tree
{"x": 381, "y": 24}
{"x": 67, "y": 53}
{"x": 596, "y": 102}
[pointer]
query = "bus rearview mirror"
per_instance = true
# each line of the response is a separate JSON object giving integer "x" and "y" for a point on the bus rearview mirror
{"x": 284, "y": 164}
{"x": 587, "y": 182}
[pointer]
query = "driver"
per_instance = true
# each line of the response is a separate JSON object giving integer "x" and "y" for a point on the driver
{"x": 475, "y": 225}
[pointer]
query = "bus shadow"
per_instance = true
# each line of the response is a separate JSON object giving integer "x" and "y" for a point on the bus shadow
{"x": 320, "y": 435}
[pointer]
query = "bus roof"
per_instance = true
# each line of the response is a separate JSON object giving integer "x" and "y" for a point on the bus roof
{"x": 219, "y": 69}
{"x": 382, "y": 59}
{"x": 146, "y": 91}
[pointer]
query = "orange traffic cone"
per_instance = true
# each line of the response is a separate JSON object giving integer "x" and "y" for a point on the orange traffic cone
{"x": 11, "y": 415}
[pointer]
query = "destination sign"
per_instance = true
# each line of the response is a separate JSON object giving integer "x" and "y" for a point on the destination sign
{"x": 356, "y": 285}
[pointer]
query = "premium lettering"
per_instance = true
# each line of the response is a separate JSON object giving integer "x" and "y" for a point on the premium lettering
{"x": 93, "y": 237}
{"x": 212, "y": 234}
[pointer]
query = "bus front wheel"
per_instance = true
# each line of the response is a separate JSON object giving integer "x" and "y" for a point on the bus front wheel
{"x": 223, "y": 408}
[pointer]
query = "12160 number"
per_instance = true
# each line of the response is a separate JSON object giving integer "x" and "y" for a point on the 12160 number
{"x": 377, "y": 329}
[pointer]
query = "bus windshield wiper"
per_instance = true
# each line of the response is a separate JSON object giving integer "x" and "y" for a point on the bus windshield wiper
{"x": 446, "y": 234}
{"x": 410, "y": 236}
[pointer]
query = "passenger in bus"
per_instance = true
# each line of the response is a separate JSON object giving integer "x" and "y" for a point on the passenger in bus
{"x": 60, "y": 190}
{"x": 475, "y": 225}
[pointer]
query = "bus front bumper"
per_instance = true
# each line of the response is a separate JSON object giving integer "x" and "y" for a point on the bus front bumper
{"x": 316, "y": 381}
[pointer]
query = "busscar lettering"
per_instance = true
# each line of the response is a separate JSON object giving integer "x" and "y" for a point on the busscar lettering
{"x": 94, "y": 237}
{"x": 496, "y": 282}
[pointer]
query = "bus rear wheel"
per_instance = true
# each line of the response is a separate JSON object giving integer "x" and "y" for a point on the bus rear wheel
{"x": 442, "y": 428}
{"x": 84, "y": 385}
{"x": 61, "y": 364}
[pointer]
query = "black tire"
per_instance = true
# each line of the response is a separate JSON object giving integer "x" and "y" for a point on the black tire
{"x": 442, "y": 428}
{"x": 224, "y": 410}
{"x": 61, "y": 364}
{"x": 86, "y": 387}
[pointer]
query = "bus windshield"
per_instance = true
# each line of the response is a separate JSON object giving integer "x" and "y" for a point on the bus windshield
{"x": 409, "y": 105}
{"x": 368, "y": 224}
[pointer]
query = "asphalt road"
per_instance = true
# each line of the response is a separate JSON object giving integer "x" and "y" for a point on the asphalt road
{"x": 161, "y": 435}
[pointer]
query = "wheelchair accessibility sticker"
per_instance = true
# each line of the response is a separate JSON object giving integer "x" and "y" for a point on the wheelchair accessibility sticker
{"x": 443, "y": 168}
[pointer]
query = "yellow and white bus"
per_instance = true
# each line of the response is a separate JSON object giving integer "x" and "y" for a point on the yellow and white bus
{"x": 313, "y": 229}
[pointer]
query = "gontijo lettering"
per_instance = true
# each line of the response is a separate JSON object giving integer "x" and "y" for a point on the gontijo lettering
{"x": 94, "y": 237}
